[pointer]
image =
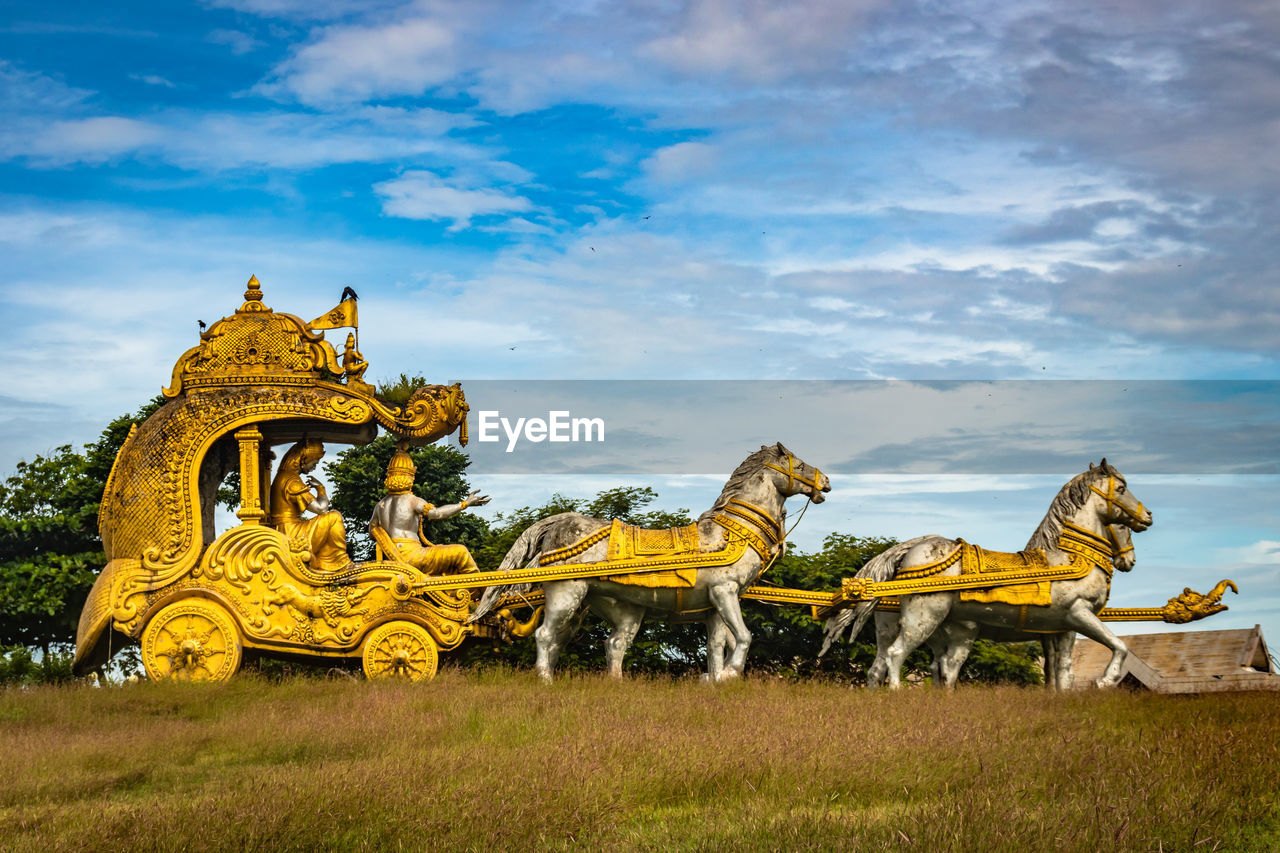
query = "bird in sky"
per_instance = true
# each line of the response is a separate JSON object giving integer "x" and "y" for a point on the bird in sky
{"x": 348, "y": 293}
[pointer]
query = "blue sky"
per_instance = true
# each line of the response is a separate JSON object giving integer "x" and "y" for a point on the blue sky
{"x": 675, "y": 190}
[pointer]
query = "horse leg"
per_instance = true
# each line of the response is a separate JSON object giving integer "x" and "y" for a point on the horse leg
{"x": 1066, "y": 645}
{"x": 1084, "y": 620}
{"x": 1049, "y": 643}
{"x": 886, "y": 631}
{"x": 919, "y": 617}
{"x": 625, "y": 618}
{"x": 564, "y": 598}
{"x": 1057, "y": 659}
{"x": 959, "y": 642}
{"x": 724, "y": 598}
{"x": 939, "y": 643}
{"x": 718, "y": 638}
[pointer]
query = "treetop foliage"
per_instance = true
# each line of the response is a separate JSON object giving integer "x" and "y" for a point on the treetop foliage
{"x": 50, "y": 551}
{"x": 397, "y": 391}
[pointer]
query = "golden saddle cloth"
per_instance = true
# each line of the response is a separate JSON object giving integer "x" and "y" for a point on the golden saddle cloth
{"x": 628, "y": 542}
{"x": 975, "y": 560}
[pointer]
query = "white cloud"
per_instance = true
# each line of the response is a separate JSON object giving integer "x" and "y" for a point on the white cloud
{"x": 88, "y": 140}
{"x": 762, "y": 41}
{"x": 519, "y": 225}
{"x": 216, "y": 141}
{"x": 683, "y": 161}
{"x": 239, "y": 42}
{"x": 356, "y": 63}
{"x": 23, "y": 229}
{"x": 154, "y": 80}
{"x": 1263, "y": 552}
{"x": 27, "y": 91}
{"x": 302, "y": 9}
{"x": 844, "y": 306}
{"x": 424, "y": 195}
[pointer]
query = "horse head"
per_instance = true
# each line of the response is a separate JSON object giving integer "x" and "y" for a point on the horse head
{"x": 1118, "y": 505}
{"x": 795, "y": 476}
{"x": 1121, "y": 538}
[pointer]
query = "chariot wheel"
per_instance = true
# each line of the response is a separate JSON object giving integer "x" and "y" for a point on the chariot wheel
{"x": 192, "y": 640}
{"x": 400, "y": 651}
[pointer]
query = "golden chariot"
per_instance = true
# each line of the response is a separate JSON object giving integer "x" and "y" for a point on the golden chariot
{"x": 195, "y": 600}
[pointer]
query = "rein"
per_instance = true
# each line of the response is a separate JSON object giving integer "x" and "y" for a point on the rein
{"x": 803, "y": 510}
{"x": 783, "y": 549}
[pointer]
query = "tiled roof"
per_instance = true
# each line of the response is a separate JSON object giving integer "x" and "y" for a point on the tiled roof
{"x": 1185, "y": 662}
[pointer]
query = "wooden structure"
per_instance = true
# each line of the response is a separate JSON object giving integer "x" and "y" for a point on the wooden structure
{"x": 1184, "y": 662}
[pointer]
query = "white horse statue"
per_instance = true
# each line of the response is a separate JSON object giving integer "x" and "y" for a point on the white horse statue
{"x": 724, "y": 552}
{"x": 1074, "y": 529}
{"x": 953, "y": 640}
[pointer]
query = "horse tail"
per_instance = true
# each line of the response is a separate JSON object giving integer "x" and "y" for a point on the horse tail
{"x": 882, "y": 567}
{"x": 524, "y": 553}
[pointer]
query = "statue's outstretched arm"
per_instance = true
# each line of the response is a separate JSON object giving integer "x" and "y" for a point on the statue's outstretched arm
{"x": 449, "y": 510}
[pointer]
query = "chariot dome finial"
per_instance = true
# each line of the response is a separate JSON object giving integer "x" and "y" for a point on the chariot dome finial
{"x": 252, "y": 296}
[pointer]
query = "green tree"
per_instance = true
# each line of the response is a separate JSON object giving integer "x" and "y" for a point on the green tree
{"x": 50, "y": 552}
{"x": 1004, "y": 663}
{"x": 786, "y": 640}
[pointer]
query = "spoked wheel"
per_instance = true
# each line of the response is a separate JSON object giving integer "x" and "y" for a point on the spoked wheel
{"x": 193, "y": 640}
{"x": 400, "y": 651}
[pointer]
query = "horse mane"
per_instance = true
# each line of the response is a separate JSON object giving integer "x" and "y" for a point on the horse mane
{"x": 1068, "y": 501}
{"x": 747, "y": 468}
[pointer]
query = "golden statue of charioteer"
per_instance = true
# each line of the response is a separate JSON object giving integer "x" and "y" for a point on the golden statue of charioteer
{"x": 397, "y": 520}
{"x": 282, "y": 583}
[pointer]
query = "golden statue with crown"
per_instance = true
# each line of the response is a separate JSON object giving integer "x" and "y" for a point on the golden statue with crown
{"x": 397, "y": 520}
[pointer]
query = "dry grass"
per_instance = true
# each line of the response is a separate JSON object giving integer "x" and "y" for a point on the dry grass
{"x": 492, "y": 761}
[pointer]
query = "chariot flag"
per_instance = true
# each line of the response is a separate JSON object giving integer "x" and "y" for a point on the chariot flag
{"x": 342, "y": 316}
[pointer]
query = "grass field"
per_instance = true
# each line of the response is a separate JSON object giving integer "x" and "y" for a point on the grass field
{"x": 495, "y": 761}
